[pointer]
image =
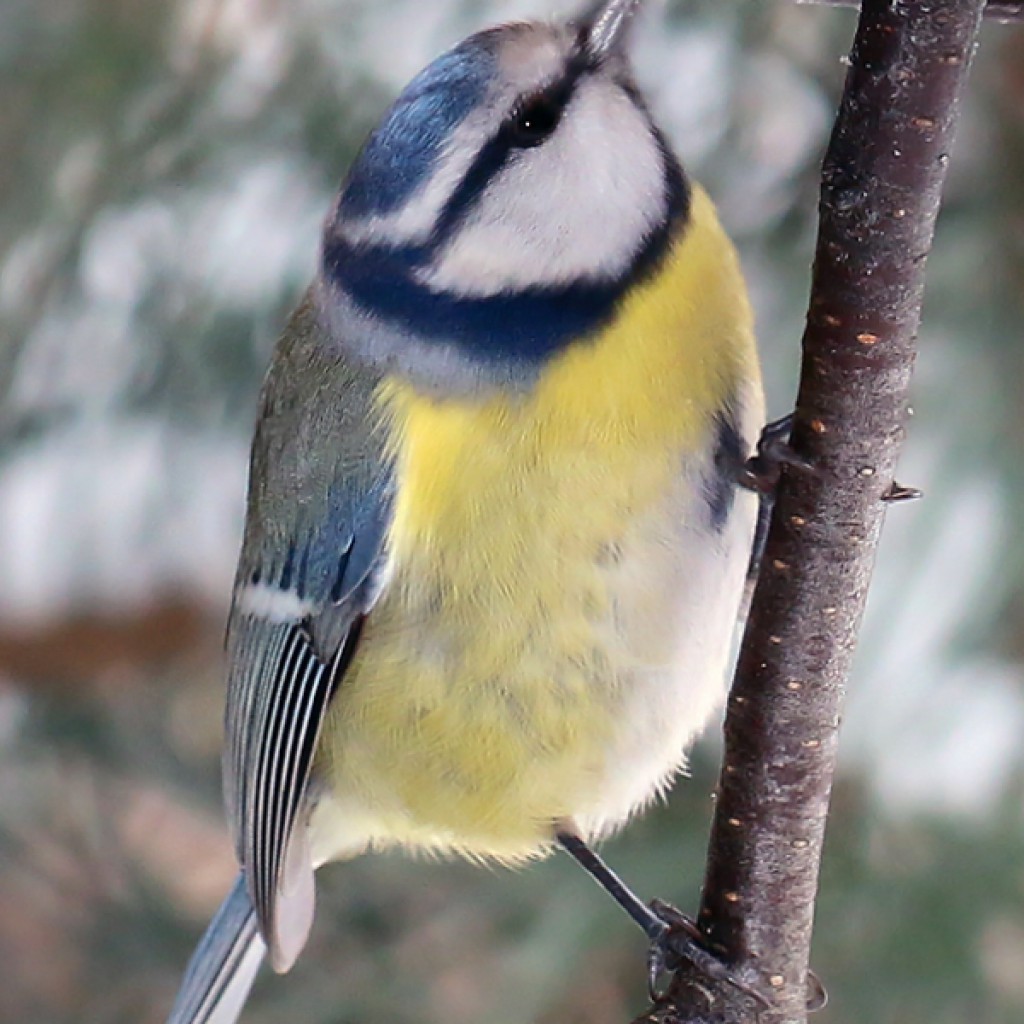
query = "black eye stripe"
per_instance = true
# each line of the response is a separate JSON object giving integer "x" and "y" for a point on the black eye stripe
{"x": 504, "y": 146}
{"x": 534, "y": 121}
{"x": 536, "y": 116}
{"x": 497, "y": 152}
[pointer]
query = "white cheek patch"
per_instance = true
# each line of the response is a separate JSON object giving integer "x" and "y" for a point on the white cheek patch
{"x": 579, "y": 206}
{"x": 531, "y": 56}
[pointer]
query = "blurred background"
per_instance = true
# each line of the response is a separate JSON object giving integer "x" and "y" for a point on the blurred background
{"x": 165, "y": 170}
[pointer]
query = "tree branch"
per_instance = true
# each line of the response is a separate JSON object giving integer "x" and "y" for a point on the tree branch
{"x": 998, "y": 10}
{"x": 881, "y": 189}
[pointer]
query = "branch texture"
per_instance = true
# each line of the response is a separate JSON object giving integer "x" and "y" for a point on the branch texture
{"x": 998, "y": 10}
{"x": 881, "y": 189}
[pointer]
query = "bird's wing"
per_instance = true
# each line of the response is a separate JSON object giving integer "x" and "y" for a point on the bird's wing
{"x": 310, "y": 570}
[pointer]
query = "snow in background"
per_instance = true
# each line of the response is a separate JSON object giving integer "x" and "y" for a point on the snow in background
{"x": 166, "y": 171}
{"x": 111, "y": 507}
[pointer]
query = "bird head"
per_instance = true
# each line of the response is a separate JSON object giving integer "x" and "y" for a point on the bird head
{"x": 509, "y": 198}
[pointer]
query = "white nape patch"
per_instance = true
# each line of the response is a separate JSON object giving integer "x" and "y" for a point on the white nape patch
{"x": 577, "y": 206}
{"x": 272, "y": 604}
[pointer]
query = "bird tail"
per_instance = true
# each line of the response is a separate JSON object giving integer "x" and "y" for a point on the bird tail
{"x": 224, "y": 965}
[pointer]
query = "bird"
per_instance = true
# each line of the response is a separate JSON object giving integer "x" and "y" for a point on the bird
{"x": 496, "y": 537}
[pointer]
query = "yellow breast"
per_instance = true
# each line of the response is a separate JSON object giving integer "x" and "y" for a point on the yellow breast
{"x": 492, "y": 676}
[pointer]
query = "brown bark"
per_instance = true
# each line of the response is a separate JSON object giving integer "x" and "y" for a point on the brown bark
{"x": 999, "y": 10}
{"x": 881, "y": 189}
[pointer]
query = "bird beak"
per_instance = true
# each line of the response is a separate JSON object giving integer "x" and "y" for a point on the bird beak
{"x": 607, "y": 24}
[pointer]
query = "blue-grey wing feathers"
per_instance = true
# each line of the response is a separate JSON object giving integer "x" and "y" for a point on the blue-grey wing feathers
{"x": 311, "y": 566}
{"x": 280, "y": 692}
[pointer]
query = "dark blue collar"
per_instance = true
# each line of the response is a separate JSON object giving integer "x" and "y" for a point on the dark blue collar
{"x": 528, "y": 325}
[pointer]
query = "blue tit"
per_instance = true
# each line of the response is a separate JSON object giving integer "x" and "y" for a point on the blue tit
{"x": 495, "y": 549}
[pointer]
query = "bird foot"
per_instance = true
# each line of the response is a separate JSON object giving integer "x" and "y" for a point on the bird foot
{"x": 682, "y": 941}
{"x": 761, "y": 472}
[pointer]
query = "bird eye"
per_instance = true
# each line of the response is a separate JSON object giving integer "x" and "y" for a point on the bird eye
{"x": 535, "y": 121}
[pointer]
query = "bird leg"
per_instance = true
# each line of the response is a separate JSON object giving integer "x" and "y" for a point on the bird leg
{"x": 654, "y": 927}
{"x": 674, "y": 937}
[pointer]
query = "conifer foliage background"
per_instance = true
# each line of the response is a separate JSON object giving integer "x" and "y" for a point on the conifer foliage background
{"x": 165, "y": 171}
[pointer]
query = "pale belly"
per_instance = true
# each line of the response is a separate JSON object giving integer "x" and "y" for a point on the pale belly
{"x": 499, "y": 690}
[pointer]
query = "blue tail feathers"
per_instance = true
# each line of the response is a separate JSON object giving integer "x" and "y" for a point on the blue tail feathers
{"x": 224, "y": 965}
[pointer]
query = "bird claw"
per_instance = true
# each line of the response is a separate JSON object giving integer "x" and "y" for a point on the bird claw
{"x": 681, "y": 941}
{"x": 761, "y": 472}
